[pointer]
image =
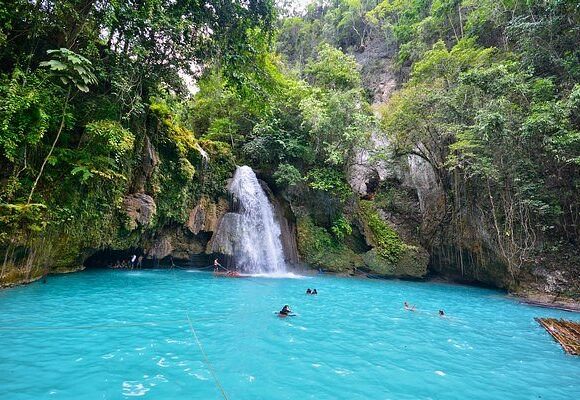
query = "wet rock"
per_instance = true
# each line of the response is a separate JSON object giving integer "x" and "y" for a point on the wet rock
{"x": 140, "y": 208}
{"x": 319, "y": 249}
{"x": 285, "y": 218}
{"x": 551, "y": 281}
{"x": 225, "y": 237}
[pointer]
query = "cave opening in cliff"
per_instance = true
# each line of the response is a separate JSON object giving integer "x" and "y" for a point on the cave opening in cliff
{"x": 110, "y": 258}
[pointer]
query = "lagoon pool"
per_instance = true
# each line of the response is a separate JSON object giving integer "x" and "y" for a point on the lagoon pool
{"x": 107, "y": 334}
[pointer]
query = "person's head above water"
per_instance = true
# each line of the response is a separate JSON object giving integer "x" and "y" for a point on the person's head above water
{"x": 441, "y": 312}
{"x": 314, "y": 291}
{"x": 308, "y": 291}
{"x": 285, "y": 311}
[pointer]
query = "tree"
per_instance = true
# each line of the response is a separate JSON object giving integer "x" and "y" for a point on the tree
{"x": 75, "y": 72}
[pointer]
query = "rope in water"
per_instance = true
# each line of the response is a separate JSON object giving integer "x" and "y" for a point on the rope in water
{"x": 206, "y": 359}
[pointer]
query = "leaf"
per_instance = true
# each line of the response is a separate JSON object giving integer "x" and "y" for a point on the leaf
{"x": 82, "y": 87}
{"x": 54, "y": 65}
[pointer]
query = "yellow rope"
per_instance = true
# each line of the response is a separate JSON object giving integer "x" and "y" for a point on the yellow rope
{"x": 206, "y": 359}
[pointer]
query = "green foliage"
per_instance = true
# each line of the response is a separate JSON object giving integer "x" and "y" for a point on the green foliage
{"x": 338, "y": 121}
{"x": 321, "y": 250}
{"x": 287, "y": 175}
{"x": 78, "y": 153}
{"x": 490, "y": 108}
{"x": 108, "y": 137}
{"x": 440, "y": 63}
{"x": 340, "y": 23}
{"x": 70, "y": 67}
{"x": 24, "y": 113}
{"x": 407, "y": 22}
{"x": 333, "y": 69}
{"x": 21, "y": 220}
{"x": 329, "y": 181}
{"x": 341, "y": 228}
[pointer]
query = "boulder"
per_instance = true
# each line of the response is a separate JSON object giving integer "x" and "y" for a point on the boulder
{"x": 140, "y": 208}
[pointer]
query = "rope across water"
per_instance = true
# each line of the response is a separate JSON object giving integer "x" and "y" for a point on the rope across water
{"x": 206, "y": 359}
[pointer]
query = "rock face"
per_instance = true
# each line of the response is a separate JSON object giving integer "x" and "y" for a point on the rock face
{"x": 377, "y": 67}
{"x": 194, "y": 237}
{"x": 160, "y": 248}
{"x": 225, "y": 238}
{"x": 140, "y": 208}
{"x": 149, "y": 161}
{"x": 205, "y": 215}
{"x": 411, "y": 264}
{"x": 365, "y": 170}
{"x": 177, "y": 242}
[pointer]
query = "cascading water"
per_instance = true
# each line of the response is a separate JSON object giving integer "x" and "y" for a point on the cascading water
{"x": 255, "y": 234}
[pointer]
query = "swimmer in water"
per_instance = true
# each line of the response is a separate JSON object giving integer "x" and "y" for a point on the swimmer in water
{"x": 408, "y": 307}
{"x": 314, "y": 291}
{"x": 441, "y": 313}
{"x": 308, "y": 291}
{"x": 285, "y": 311}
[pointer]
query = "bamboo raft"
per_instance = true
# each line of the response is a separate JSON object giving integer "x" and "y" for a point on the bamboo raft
{"x": 567, "y": 333}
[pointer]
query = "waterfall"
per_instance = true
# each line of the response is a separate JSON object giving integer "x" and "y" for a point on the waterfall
{"x": 251, "y": 235}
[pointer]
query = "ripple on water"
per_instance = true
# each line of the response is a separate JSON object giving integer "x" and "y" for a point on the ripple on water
{"x": 352, "y": 341}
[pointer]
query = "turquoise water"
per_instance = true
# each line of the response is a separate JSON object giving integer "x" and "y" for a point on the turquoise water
{"x": 118, "y": 334}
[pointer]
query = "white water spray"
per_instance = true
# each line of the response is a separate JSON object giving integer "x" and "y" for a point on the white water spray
{"x": 258, "y": 248}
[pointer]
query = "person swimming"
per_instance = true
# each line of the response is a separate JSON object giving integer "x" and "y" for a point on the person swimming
{"x": 441, "y": 313}
{"x": 408, "y": 307}
{"x": 314, "y": 291}
{"x": 308, "y": 291}
{"x": 285, "y": 311}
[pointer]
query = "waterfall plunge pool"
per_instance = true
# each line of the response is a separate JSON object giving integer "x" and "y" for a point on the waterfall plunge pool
{"x": 109, "y": 334}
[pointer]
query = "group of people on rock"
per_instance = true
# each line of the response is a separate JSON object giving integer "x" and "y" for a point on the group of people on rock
{"x": 132, "y": 263}
{"x": 412, "y": 308}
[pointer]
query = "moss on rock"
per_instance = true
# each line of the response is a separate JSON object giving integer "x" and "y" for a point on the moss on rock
{"x": 390, "y": 254}
{"x": 411, "y": 264}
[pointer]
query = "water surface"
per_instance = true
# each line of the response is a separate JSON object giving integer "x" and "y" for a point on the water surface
{"x": 119, "y": 334}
